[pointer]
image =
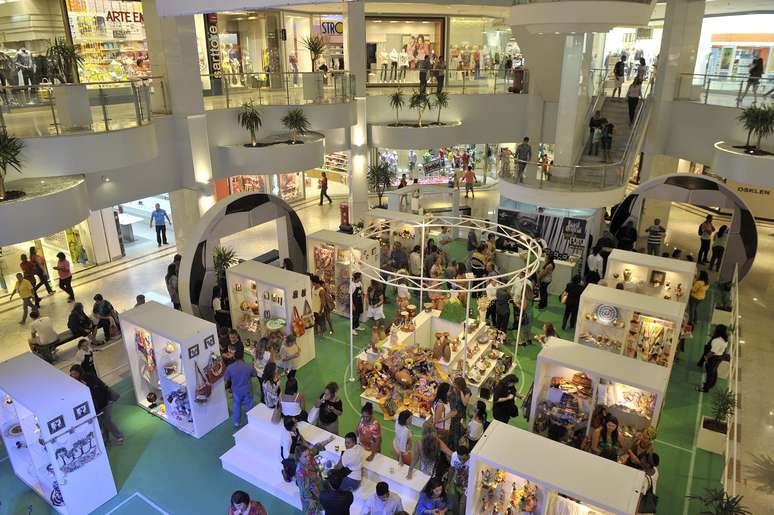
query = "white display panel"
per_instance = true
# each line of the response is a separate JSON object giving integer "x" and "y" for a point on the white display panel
{"x": 655, "y": 276}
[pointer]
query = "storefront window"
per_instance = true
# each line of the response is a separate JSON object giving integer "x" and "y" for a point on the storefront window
{"x": 110, "y": 36}
{"x": 728, "y": 44}
{"x": 297, "y": 29}
{"x": 635, "y": 43}
{"x": 477, "y": 39}
{"x": 75, "y": 242}
{"x": 330, "y": 27}
{"x": 395, "y": 46}
{"x": 288, "y": 186}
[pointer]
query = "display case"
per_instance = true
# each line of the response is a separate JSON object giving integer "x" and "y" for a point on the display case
{"x": 402, "y": 227}
{"x": 266, "y": 298}
{"x": 631, "y": 324}
{"x": 572, "y": 381}
{"x": 656, "y": 276}
{"x": 51, "y": 434}
{"x": 329, "y": 259}
{"x": 171, "y": 355}
{"x": 514, "y": 471}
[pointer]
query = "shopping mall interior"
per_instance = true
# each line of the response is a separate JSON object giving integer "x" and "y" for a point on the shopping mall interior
{"x": 513, "y": 257}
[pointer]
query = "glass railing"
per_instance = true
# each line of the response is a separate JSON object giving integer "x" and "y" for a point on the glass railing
{"x": 232, "y": 90}
{"x": 485, "y": 81}
{"x": 724, "y": 90}
{"x": 64, "y": 109}
{"x": 524, "y": 2}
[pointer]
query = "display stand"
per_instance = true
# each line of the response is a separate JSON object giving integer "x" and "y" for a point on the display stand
{"x": 329, "y": 259}
{"x": 571, "y": 380}
{"x": 52, "y": 436}
{"x": 633, "y": 325}
{"x": 400, "y": 226}
{"x": 254, "y": 459}
{"x": 655, "y": 276}
{"x": 563, "y": 270}
{"x": 165, "y": 346}
{"x": 259, "y": 293}
{"x": 514, "y": 471}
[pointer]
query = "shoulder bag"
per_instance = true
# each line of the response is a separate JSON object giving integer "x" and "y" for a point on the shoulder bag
{"x": 563, "y": 297}
{"x": 215, "y": 369}
{"x": 648, "y": 500}
{"x": 308, "y": 315}
{"x": 299, "y": 327}
{"x": 203, "y": 387}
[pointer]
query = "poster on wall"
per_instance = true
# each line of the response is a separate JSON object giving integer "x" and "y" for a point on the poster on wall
{"x": 76, "y": 449}
{"x": 564, "y": 236}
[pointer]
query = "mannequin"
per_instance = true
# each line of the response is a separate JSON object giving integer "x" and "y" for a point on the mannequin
{"x": 476, "y": 63}
{"x": 385, "y": 57}
{"x": 24, "y": 65}
{"x": 293, "y": 60}
{"x": 393, "y": 65}
{"x": 412, "y": 162}
{"x": 403, "y": 62}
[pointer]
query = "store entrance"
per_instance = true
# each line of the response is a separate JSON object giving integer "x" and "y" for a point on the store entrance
{"x": 136, "y": 229}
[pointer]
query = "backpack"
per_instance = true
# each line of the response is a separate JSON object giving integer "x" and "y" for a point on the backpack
{"x": 619, "y": 69}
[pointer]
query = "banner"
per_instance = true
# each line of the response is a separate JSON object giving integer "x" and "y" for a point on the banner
{"x": 564, "y": 236}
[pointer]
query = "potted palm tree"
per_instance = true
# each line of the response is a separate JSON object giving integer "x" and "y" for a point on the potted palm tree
{"x": 380, "y": 177}
{"x": 316, "y": 46}
{"x": 757, "y": 120}
{"x": 421, "y": 102}
{"x": 715, "y": 501}
{"x": 297, "y": 123}
{"x": 250, "y": 119}
{"x": 713, "y": 430}
{"x": 10, "y": 159}
{"x": 222, "y": 259}
{"x": 441, "y": 102}
{"x": 70, "y": 99}
{"x": 397, "y": 101}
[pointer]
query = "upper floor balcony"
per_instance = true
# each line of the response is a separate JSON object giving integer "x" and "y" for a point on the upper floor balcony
{"x": 724, "y": 90}
{"x": 563, "y": 16}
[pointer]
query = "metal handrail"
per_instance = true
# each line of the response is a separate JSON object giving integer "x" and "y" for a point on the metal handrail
{"x": 87, "y": 84}
{"x": 732, "y": 439}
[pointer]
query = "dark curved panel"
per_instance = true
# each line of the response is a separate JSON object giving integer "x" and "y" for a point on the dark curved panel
{"x": 692, "y": 182}
{"x": 622, "y": 213}
{"x": 198, "y": 270}
{"x": 248, "y": 203}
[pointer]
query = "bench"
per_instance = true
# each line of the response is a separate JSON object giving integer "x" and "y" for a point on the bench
{"x": 48, "y": 351}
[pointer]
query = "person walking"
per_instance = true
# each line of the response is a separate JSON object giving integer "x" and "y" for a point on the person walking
{"x": 572, "y": 294}
{"x": 424, "y": 69}
{"x": 698, "y": 293}
{"x": 103, "y": 397}
{"x": 596, "y": 263}
{"x": 470, "y": 181}
{"x": 718, "y": 248}
{"x": 705, "y": 236}
{"x": 713, "y": 354}
{"x": 356, "y": 292}
{"x": 65, "y": 276}
{"x": 544, "y": 277}
{"x": 26, "y": 294}
{"x": 596, "y": 123}
{"x": 633, "y": 96}
{"x": 159, "y": 217}
{"x": 28, "y": 271}
{"x": 104, "y": 312}
{"x": 754, "y": 74}
{"x": 440, "y": 74}
{"x": 607, "y": 142}
{"x": 240, "y": 375}
{"x": 655, "y": 237}
{"x": 619, "y": 70}
{"x": 172, "y": 288}
{"x": 41, "y": 270}
{"x": 523, "y": 156}
{"x": 324, "y": 188}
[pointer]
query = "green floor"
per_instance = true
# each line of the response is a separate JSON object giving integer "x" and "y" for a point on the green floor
{"x": 182, "y": 475}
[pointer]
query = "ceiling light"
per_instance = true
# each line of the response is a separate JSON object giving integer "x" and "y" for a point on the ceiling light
{"x": 105, "y": 178}
{"x": 252, "y": 17}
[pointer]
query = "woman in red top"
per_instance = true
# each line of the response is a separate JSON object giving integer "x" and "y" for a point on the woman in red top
{"x": 369, "y": 433}
{"x": 242, "y": 505}
{"x": 324, "y": 188}
{"x": 65, "y": 276}
{"x": 40, "y": 269}
{"x": 28, "y": 271}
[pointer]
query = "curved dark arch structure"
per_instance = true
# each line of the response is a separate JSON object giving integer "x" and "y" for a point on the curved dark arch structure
{"x": 230, "y": 216}
{"x": 700, "y": 191}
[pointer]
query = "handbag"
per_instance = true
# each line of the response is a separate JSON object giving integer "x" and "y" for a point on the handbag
{"x": 215, "y": 369}
{"x": 203, "y": 387}
{"x": 314, "y": 416}
{"x": 276, "y": 415}
{"x": 308, "y": 315}
{"x": 648, "y": 500}
{"x": 563, "y": 297}
{"x": 298, "y": 324}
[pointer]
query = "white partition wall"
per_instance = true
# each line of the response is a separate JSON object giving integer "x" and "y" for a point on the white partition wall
{"x": 165, "y": 347}
{"x": 572, "y": 380}
{"x": 259, "y": 293}
{"x": 657, "y": 276}
{"x": 52, "y": 436}
{"x": 511, "y": 469}
{"x": 630, "y": 324}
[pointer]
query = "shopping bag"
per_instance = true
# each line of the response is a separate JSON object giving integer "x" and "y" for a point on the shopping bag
{"x": 299, "y": 327}
{"x": 308, "y": 315}
{"x": 203, "y": 387}
{"x": 314, "y": 416}
{"x": 215, "y": 369}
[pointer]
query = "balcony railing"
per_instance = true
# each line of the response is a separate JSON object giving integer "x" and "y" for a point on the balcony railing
{"x": 724, "y": 90}
{"x": 232, "y": 90}
{"x": 64, "y": 109}
{"x": 485, "y": 81}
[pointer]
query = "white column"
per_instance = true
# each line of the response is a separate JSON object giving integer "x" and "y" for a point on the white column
{"x": 573, "y": 102}
{"x": 355, "y": 62}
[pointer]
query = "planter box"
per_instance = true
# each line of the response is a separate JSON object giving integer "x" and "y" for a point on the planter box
{"x": 73, "y": 110}
{"x": 709, "y": 440}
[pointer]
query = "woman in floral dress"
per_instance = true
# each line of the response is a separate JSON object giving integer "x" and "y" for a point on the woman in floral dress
{"x": 309, "y": 479}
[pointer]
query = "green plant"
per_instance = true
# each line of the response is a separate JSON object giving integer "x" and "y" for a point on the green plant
{"x": 250, "y": 119}
{"x": 66, "y": 60}
{"x": 723, "y": 407}
{"x": 715, "y": 501}
{"x": 379, "y": 176}
{"x": 223, "y": 258}
{"x": 421, "y": 102}
{"x": 441, "y": 102}
{"x": 297, "y": 123}
{"x": 759, "y": 121}
{"x": 397, "y": 101}
{"x": 10, "y": 157}
{"x": 315, "y": 45}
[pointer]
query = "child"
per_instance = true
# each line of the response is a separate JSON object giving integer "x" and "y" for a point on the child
{"x": 85, "y": 357}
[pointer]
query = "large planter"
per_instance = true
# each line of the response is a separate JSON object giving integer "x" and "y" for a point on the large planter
{"x": 710, "y": 440}
{"x": 272, "y": 157}
{"x": 73, "y": 110}
{"x": 739, "y": 166}
{"x": 384, "y": 135}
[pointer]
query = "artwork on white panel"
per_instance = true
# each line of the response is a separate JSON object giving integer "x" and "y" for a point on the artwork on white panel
{"x": 76, "y": 449}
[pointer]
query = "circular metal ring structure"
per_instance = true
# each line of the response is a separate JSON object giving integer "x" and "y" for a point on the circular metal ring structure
{"x": 470, "y": 284}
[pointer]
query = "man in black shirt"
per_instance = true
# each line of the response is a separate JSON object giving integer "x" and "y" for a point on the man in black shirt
{"x": 334, "y": 500}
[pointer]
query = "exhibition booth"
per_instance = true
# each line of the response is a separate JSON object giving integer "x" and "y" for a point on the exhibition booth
{"x": 514, "y": 471}
{"x": 656, "y": 276}
{"x": 630, "y": 324}
{"x": 398, "y": 226}
{"x": 572, "y": 382}
{"x": 329, "y": 257}
{"x": 268, "y": 301}
{"x": 176, "y": 367}
{"x": 52, "y": 436}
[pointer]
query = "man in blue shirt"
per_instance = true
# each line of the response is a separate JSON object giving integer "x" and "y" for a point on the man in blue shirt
{"x": 158, "y": 217}
{"x": 240, "y": 374}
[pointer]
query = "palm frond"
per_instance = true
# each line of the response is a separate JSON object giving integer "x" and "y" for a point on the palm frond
{"x": 296, "y": 122}
{"x": 250, "y": 119}
{"x": 11, "y": 149}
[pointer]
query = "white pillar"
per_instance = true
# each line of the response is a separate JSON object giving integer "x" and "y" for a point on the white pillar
{"x": 573, "y": 102}
{"x": 355, "y": 62}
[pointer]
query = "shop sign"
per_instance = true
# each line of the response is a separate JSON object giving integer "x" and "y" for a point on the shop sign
{"x": 213, "y": 45}
{"x": 432, "y": 166}
{"x": 564, "y": 236}
{"x": 125, "y": 16}
{"x": 332, "y": 28}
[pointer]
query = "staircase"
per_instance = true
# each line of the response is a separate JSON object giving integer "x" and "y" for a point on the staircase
{"x": 256, "y": 459}
{"x": 616, "y": 111}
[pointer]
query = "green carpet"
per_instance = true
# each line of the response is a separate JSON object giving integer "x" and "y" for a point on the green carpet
{"x": 183, "y": 475}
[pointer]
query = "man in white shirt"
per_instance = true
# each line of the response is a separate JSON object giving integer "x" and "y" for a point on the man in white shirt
{"x": 43, "y": 332}
{"x": 383, "y": 502}
{"x": 352, "y": 457}
{"x": 596, "y": 263}
{"x": 714, "y": 356}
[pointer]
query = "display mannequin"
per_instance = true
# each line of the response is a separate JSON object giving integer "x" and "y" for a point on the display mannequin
{"x": 385, "y": 58}
{"x": 394, "y": 65}
{"x": 24, "y": 65}
{"x": 476, "y": 63}
{"x": 412, "y": 162}
{"x": 403, "y": 62}
{"x": 465, "y": 59}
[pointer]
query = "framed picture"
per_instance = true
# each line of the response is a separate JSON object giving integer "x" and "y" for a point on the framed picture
{"x": 209, "y": 341}
{"x": 193, "y": 351}
{"x": 657, "y": 278}
{"x": 81, "y": 410}
{"x": 56, "y": 424}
